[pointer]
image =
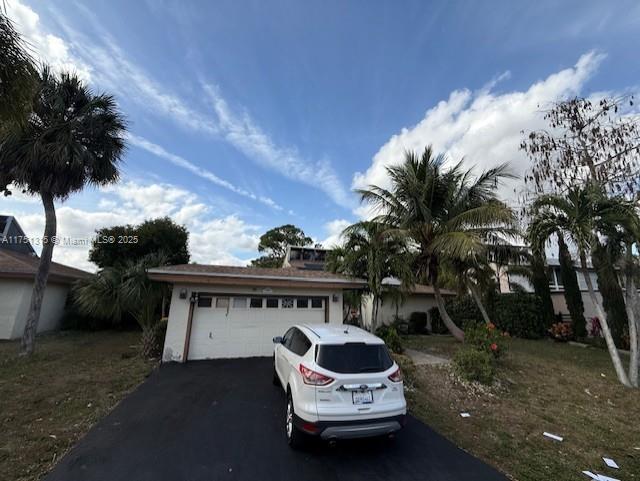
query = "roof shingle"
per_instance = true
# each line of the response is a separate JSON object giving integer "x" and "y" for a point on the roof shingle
{"x": 14, "y": 264}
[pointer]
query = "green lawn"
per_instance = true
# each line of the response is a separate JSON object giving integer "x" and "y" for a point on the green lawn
{"x": 49, "y": 401}
{"x": 543, "y": 386}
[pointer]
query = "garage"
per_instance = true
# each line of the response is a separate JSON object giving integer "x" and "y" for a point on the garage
{"x": 238, "y": 325}
{"x": 234, "y": 312}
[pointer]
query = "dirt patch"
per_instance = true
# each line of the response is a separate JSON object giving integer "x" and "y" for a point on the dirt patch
{"x": 541, "y": 386}
{"x": 49, "y": 401}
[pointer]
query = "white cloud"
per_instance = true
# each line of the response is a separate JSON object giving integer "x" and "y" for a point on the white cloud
{"x": 113, "y": 69}
{"x": 334, "y": 230}
{"x": 484, "y": 128}
{"x": 194, "y": 169}
{"x": 45, "y": 46}
{"x": 242, "y": 132}
{"x": 212, "y": 240}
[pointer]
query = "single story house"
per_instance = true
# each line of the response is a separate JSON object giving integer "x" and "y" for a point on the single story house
{"x": 229, "y": 311}
{"x": 419, "y": 299}
{"x": 18, "y": 266}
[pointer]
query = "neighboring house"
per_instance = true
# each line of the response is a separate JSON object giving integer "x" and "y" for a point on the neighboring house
{"x": 419, "y": 299}
{"x": 12, "y": 236}
{"x": 305, "y": 258}
{"x": 18, "y": 266}
{"x": 227, "y": 311}
{"x": 511, "y": 282}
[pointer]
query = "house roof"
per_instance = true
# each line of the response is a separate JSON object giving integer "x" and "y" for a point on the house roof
{"x": 17, "y": 265}
{"x": 417, "y": 288}
{"x": 424, "y": 289}
{"x": 287, "y": 276}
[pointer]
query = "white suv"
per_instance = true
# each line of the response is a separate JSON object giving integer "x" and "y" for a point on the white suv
{"x": 340, "y": 381}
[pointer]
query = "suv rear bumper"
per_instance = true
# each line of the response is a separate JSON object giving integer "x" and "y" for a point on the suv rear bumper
{"x": 351, "y": 429}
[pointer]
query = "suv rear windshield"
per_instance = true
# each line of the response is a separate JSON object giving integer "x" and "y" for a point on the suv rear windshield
{"x": 354, "y": 357}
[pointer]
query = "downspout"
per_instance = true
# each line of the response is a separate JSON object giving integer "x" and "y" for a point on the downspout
{"x": 192, "y": 302}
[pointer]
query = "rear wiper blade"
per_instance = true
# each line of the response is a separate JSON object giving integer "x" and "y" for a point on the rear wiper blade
{"x": 370, "y": 369}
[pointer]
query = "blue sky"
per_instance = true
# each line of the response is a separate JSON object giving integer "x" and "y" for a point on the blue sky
{"x": 248, "y": 115}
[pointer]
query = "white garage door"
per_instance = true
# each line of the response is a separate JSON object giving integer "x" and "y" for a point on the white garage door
{"x": 235, "y": 326}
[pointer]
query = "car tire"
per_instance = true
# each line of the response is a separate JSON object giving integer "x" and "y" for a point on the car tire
{"x": 295, "y": 437}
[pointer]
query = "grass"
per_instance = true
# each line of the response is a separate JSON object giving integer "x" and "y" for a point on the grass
{"x": 49, "y": 401}
{"x": 542, "y": 386}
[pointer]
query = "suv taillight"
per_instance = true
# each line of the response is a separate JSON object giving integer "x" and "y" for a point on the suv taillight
{"x": 396, "y": 376}
{"x": 314, "y": 378}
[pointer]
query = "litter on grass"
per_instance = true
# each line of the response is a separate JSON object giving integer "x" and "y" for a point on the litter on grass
{"x": 611, "y": 463}
{"x": 555, "y": 437}
{"x": 465, "y": 415}
{"x": 599, "y": 477}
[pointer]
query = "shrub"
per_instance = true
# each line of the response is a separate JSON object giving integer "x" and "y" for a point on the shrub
{"x": 486, "y": 338}
{"x": 520, "y": 314}
{"x": 474, "y": 365}
{"x": 391, "y": 338}
{"x": 464, "y": 311}
{"x": 418, "y": 322}
{"x": 561, "y": 331}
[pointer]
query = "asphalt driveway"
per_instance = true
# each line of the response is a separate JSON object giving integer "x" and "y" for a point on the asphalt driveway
{"x": 223, "y": 420}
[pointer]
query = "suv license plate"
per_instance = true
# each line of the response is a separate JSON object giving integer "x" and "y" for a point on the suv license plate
{"x": 362, "y": 397}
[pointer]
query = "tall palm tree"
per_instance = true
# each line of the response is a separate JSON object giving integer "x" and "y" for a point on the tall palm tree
{"x": 582, "y": 215}
{"x": 371, "y": 251}
{"x": 73, "y": 138}
{"x": 447, "y": 213}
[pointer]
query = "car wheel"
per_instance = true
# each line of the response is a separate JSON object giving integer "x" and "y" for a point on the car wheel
{"x": 294, "y": 435}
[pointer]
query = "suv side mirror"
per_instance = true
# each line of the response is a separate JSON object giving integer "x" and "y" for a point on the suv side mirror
{"x": 277, "y": 340}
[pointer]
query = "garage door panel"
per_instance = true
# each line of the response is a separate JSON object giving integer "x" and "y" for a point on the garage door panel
{"x": 243, "y": 332}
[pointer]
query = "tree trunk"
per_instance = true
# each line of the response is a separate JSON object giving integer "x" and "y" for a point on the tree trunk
{"x": 149, "y": 341}
{"x": 631, "y": 302}
{"x": 611, "y": 346}
{"x": 374, "y": 314}
{"x": 476, "y": 297}
{"x": 27, "y": 345}
{"x": 457, "y": 333}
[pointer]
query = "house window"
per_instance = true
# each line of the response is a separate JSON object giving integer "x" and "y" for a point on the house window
{"x": 316, "y": 302}
{"x": 272, "y": 303}
{"x": 222, "y": 302}
{"x": 256, "y": 303}
{"x": 204, "y": 301}
{"x": 239, "y": 302}
{"x": 302, "y": 303}
{"x": 287, "y": 303}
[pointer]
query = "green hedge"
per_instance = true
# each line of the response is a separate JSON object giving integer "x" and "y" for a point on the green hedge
{"x": 518, "y": 313}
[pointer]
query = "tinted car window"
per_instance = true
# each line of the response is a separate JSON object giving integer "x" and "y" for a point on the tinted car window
{"x": 300, "y": 344}
{"x": 354, "y": 357}
{"x": 286, "y": 340}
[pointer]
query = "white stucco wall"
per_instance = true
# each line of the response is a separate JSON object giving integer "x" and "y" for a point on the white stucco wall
{"x": 179, "y": 310}
{"x": 15, "y": 296}
{"x": 387, "y": 311}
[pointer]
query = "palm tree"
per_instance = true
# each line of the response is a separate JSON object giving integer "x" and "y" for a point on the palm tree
{"x": 18, "y": 76}
{"x": 582, "y": 215}
{"x": 469, "y": 277}
{"x": 73, "y": 138}
{"x": 447, "y": 213}
{"x": 371, "y": 251}
{"x": 114, "y": 291}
